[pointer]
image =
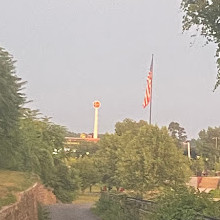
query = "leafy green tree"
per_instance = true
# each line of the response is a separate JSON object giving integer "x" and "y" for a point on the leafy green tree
{"x": 204, "y": 14}
{"x": 148, "y": 160}
{"x": 208, "y": 146}
{"x": 88, "y": 172}
{"x": 83, "y": 148}
{"x": 65, "y": 181}
{"x": 106, "y": 159}
{"x": 141, "y": 157}
{"x": 128, "y": 125}
{"x": 185, "y": 203}
{"x": 197, "y": 166}
{"x": 38, "y": 140}
{"x": 28, "y": 141}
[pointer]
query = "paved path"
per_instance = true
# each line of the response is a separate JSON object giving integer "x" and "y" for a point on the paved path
{"x": 71, "y": 212}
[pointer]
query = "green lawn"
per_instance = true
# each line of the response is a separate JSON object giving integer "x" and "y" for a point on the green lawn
{"x": 87, "y": 198}
{"x": 12, "y": 182}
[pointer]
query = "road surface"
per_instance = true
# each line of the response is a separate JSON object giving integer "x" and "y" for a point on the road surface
{"x": 72, "y": 212}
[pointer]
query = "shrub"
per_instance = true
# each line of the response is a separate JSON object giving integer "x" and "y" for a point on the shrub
{"x": 185, "y": 203}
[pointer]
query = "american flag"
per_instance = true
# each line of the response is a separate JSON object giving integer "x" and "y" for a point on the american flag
{"x": 148, "y": 92}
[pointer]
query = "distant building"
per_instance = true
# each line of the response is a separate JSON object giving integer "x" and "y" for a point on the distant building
{"x": 86, "y": 137}
{"x": 204, "y": 183}
{"x": 83, "y": 138}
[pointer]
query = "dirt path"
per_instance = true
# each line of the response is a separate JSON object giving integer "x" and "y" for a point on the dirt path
{"x": 72, "y": 212}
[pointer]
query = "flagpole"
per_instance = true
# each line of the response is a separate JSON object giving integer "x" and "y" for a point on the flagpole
{"x": 151, "y": 92}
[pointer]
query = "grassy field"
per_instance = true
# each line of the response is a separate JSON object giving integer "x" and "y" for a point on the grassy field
{"x": 12, "y": 182}
{"x": 87, "y": 198}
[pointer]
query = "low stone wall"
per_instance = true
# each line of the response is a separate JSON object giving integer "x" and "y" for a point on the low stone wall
{"x": 44, "y": 195}
{"x": 26, "y": 206}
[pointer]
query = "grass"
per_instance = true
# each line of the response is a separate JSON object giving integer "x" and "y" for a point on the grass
{"x": 215, "y": 193}
{"x": 86, "y": 198}
{"x": 12, "y": 182}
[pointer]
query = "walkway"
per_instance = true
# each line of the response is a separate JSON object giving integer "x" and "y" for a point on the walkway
{"x": 71, "y": 212}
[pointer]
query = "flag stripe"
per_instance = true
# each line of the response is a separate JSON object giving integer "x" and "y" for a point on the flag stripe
{"x": 147, "y": 97}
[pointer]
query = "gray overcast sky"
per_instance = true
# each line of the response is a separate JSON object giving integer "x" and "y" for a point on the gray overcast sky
{"x": 73, "y": 52}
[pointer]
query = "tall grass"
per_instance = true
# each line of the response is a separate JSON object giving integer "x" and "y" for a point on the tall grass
{"x": 12, "y": 182}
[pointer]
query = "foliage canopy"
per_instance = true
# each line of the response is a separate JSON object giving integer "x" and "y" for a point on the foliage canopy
{"x": 141, "y": 157}
{"x": 185, "y": 203}
{"x": 204, "y": 14}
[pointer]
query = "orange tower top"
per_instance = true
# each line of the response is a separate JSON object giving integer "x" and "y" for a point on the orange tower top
{"x": 96, "y": 104}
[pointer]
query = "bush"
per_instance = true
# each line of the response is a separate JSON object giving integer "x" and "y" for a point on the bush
{"x": 185, "y": 203}
{"x": 65, "y": 182}
{"x": 215, "y": 193}
{"x": 43, "y": 213}
{"x": 63, "y": 195}
{"x": 115, "y": 207}
{"x": 109, "y": 210}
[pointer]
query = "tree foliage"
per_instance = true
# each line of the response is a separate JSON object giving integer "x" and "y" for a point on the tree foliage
{"x": 208, "y": 146}
{"x": 107, "y": 159}
{"x": 141, "y": 157}
{"x": 11, "y": 100}
{"x": 185, "y": 203}
{"x": 88, "y": 172}
{"x": 28, "y": 141}
{"x": 178, "y": 133}
{"x": 11, "y": 97}
{"x": 204, "y": 14}
{"x": 38, "y": 140}
{"x": 147, "y": 160}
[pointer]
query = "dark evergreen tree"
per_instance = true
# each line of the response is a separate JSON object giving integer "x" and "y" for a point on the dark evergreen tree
{"x": 11, "y": 100}
{"x": 178, "y": 133}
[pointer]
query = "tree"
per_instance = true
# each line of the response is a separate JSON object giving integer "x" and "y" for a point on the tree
{"x": 106, "y": 159}
{"x": 208, "y": 146}
{"x": 11, "y": 100}
{"x": 37, "y": 141}
{"x": 65, "y": 181}
{"x": 128, "y": 125}
{"x": 204, "y": 14}
{"x": 185, "y": 203}
{"x": 28, "y": 140}
{"x": 11, "y": 97}
{"x": 141, "y": 157}
{"x": 178, "y": 133}
{"x": 197, "y": 166}
{"x": 88, "y": 172}
{"x": 148, "y": 160}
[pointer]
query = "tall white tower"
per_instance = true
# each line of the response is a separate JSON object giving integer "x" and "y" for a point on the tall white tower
{"x": 96, "y": 105}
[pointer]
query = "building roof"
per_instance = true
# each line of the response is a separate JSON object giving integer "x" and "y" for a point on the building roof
{"x": 209, "y": 182}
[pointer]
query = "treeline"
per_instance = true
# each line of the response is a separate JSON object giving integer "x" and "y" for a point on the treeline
{"x": 141, "y": 157}
{"x": 138, "y": 157}
{"x": 150, "y": 162}
{"x": 28, "y": 140}
{"x": 204, "y": 151}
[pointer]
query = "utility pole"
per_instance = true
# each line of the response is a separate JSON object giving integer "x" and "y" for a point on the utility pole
{"x": 216, "y": 146}
{"x": 188, "y": 146}
{"x": 216, "y": 142}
